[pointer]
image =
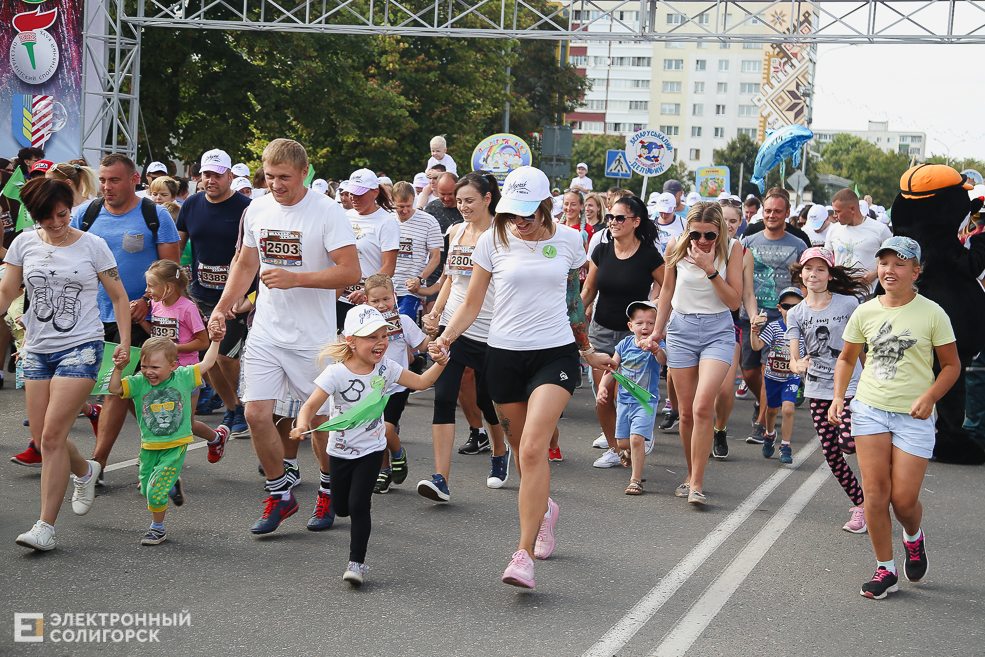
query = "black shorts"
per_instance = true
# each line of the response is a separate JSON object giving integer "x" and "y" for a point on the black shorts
{"x": 342, "y": 308}
{"x": 138, "y": 336}
{"x": 394, "y": 408}
{"x": 236, "y": 330}
{"x": 468, "y": 352}
{"x": 751, "y": 359}
{"x": 512, "y": 376}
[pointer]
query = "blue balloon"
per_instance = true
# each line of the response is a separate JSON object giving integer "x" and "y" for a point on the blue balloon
{"x": 779, "y": 145}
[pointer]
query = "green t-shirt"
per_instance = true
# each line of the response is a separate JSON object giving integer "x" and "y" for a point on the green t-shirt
{"x": 900, "y": 363}
{"x": 164, "y": 411}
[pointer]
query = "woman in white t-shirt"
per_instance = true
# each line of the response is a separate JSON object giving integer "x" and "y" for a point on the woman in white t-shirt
{"x": 702, "y": 284}
{"x": 533, "y": 265}
{"x": 377, "y": 235}
{"x": 61, "y": 268}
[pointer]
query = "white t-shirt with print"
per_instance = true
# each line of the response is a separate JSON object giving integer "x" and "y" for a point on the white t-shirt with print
{"x": 417, "y": 235}
{"x": 347, "y": 389}
{"x": 375, "y": 233}
{"x": 447, "y": 161}
{"x": 405, "y": 333}
{"x": 530, "y": 310}
{"x": 856, "y": 246}
{"x": 584, "y": 183}
{"x": 298, "y": 238}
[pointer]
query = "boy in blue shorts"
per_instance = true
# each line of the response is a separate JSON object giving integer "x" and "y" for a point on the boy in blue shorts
{"x": 634, "y": 426}
{"x": 781, "y": 383}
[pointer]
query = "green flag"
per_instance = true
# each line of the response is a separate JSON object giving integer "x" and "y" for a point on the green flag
{"x": 12, "y": 190}
{"x": 857, "y": 193}
{"x": 106, "y": 367}
{"x": 362, "y": 413}
{"x": 310, "y": 176}
{"x": 641, "y": 394}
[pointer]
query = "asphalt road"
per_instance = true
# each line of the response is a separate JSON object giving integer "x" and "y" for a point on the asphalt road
{"x": 764, "y": 569}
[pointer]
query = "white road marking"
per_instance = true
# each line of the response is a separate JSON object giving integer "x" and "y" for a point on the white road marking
{"x": 619, "y": 634}
{"x": 689, "y": 628}
{"x": 130, "y": 462}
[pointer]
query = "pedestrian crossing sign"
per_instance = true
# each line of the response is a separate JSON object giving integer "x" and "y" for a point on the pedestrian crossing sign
{"x": 616, "y": 165}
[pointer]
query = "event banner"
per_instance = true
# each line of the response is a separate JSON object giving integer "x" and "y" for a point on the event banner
{"x": 712, "y": 181}
{"x": 499, "y": 154}
{"x": 41, "y": 78}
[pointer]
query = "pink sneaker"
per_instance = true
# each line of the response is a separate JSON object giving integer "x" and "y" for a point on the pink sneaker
{"x": 520, "y": 572}
{"x": 856, "y": 524}
{"x": 544, "y": 547}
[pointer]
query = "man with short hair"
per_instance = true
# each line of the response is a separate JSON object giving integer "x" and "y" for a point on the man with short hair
{"x": 669, "y": 223}
{"x": 677, "y": 189}
{"x": 855, "y": 238}
{"x": 765, "y": 271}
{"x": 818, "y": 222}
{"x": 303, "y": 247}
{"x": 121, "y": 223}
{"x": 26, "y": 157}
{"x": 430, "y": 193}
{"x": 210, "y": 220}
{"x": 750, "y": 207}
{"x": 419, "y": 255}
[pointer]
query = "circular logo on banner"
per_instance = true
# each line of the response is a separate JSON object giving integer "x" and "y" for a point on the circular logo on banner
{"x": 34, "y": 56}
{"x": 499, "y": 154}
{"x": 649, "y": 152}
{"x": 549, "y": 251}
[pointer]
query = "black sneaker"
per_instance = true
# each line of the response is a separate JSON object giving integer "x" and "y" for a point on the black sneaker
{"x": 881, "y": 584}
{"x": 800, "y": 395}
{"x": 293, "y": 473}
{"x": 153, "y": 537}
{"x": 915, "y": 565}
{"x": 382, "y": 482}
{"x": 719, "y": 448}
{"x": 758, "y": 435}
{"x": 755, "y": 414}
{"x": 398, "y": 465}
{"x": 476, "y": 444}
{"x": 671, "y": 419}
{"x": 177, "y": 493}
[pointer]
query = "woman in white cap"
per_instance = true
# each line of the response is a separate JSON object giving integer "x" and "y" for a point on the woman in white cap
{"x": 377, "y": 234}
{"x": 243, "y": 186}
{"x": 532, "y": 361}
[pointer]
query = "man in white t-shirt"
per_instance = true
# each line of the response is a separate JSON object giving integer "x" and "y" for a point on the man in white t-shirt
{"x": 855, "y": 238}
{"x": 582, "y": 183}
{"x": 304, "y": 249}
{"x": 420, "y": 249}
{"x": 669, "y": 224}
{"x": 439, "y": 155}
{"x": 818, "y": 222}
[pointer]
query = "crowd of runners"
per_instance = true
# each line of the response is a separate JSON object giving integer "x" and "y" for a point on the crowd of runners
{"x": 310, "y": 310}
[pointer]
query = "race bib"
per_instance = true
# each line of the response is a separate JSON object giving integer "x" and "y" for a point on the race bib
{"x": 459, "y": 262}
{"x": 281, "y": 247}
{"x": 406, "y": 248}
{"x": 352, "y": 288}
{"x": 779, "y": 362}
{"x": 164, "y": 327}
{"x": 212, "y": 276}
{"x": 397, "y": 332}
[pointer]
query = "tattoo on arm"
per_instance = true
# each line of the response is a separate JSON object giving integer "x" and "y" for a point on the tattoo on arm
{"x": 113, "y": 274}
{"x": 576, "y": 311}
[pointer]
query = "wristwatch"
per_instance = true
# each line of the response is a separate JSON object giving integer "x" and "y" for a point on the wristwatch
{"x": 424, "y": 282}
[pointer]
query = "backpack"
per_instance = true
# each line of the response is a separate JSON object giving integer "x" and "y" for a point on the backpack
{"x": 147, "y": 208}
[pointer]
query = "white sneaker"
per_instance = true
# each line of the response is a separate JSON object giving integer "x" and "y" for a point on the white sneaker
{"x": 648, "y": 445}
{"x": 601, "y": 442}
{"x": 85, "y": 493}
{"x": 742, "y": 391}
{"x": 608, "y": 460}
{"x": 41, "y": 537}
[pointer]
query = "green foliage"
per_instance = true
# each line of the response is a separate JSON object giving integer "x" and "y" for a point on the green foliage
{"x": 960, "y": 165}
{"x": 591, "y": 149}
{"x": 873, "y": 171}
{"x": 739, "y": 155}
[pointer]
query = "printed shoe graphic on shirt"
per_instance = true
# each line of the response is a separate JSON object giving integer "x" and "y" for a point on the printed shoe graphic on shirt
{"x": 68, "y": 308}
{"x": 42, "y": 301}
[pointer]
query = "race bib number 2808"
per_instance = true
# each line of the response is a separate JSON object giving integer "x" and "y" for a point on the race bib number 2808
{"x": 281, "y": 247}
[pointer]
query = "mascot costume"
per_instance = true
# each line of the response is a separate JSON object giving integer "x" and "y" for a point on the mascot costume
{"x": 930, "y": 208}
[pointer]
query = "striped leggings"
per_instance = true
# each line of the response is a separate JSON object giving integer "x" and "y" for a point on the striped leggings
{"x": 835, "y": 443}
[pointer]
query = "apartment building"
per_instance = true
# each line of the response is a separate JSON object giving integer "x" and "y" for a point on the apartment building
{"x": 907, "y": 143}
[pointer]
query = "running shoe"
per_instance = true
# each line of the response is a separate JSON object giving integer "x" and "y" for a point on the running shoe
{"x": 755, "y": 414}
{"x": 30, "y": 457}
{"x": 500, "y": 470}
{"x": 544, "y": 545}
{"x": 204, "y": 399}
{"x": 293, "y": 473}
{"x": 769, "y": 443}
{"x": 719, "y": 448}
{"x": 323, "y": 517}
{"x": 214, "y": 404}
{"x": 84, "y": 493}
{"x": 671, "y": 419}
{"x": 434, "y": 489}
{"x": 219, "y": 448}
{"x": 786, "y": 454}
{"x": 609, "y": 459}
{"x": 260, "y": 470}
{"x": 153, "y": 537}
{"x": 667, "y": 407}
{"x": 683, "y": 490}
{"x": 239, "y": 428}
{"x": 648, "y": 445}
{"x": 383, "y": 482}
{"x": 758, "y": 434}
{"x": 554, "y": 454}
{"x": 915, "y": 565}
{"x": 227, "y": 418}
{"x": 41, "y": 537}
{"x": 601, "y": 442}
{"x": 742, "y": 392}
{"x": 520, "y": 572}
{"x": 477, "y": 443}
{"x": 881, "y": 584}
{"x": 177, "y": 492}
{"x": 697, "y": 498}
{"x": 355, "y": 573}
{"x": 93, "y": 417}
{"x": 799, "y": 401}
{"x": 856, "y": 524}
{"x": 398, "y": 465}
{"x": 275, "y": 511}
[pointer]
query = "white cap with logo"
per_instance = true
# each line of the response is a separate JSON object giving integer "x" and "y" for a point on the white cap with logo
{"x": 157, "y": 167}
{"x": 523, "y": 190}
{"x": 693, "y": 198}
{"x": 666, "y": 202}
{"x": 816, "y": 216}
{"x": 319, "y": 185}
{"x": 362, "y": 181}
{"x": 241, "y": 170}
{"x": 216, "y": 160}
{"x": 363, "y": 320}
{"x": 421, "y": 180}
{"x": 241, "y": 183}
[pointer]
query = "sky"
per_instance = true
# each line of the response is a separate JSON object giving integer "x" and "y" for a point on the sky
{"x": 929, "y": 88}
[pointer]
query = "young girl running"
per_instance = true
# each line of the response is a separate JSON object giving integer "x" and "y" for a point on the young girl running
{"x": 176, "y": 317}
{"x": 892, "y": 413}
{"x": 355, "y": 455}
{"x": 833, "y": 294}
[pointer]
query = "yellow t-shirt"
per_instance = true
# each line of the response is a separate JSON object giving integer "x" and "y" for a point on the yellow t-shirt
{"x": 900, "y": 362}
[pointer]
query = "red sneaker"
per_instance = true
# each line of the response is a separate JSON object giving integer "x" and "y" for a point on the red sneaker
{"x": 30, "y": 457}
{"x": 93, "y": 416}
{"x": 554, "y": 454}
{"x": 217, "y": 450}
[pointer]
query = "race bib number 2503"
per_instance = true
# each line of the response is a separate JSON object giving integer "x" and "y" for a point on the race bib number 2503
{"x": 281, "y": 247}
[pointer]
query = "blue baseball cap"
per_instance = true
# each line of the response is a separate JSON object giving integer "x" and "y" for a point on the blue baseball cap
{"x": 790, "y": 290}
{"x": 905, "y": 247}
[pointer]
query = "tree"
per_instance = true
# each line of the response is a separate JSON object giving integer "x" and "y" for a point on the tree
{"x": 739, "y": 155}
{"x": 873, "y": 171}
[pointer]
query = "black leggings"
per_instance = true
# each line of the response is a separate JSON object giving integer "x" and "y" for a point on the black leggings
{"x": 352, "y": 495}
{"x": 465, "y": 352}
{"x": 835, "y": 443}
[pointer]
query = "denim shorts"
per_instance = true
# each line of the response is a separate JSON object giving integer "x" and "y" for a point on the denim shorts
{"x": 693, "y": 338}
{"x": 778, "y": 392}
{"x": 632, "y": 419}
{"x": 913, "y": 436}
{"x": 79, "y": 362}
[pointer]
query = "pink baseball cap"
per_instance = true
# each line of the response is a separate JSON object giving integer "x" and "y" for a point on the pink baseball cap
{"x": 818, "y": 252}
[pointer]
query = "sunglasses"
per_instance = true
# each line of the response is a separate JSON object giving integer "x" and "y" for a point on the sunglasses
{"x": 787, "y": 306}
{"x": 735, "y": 203}
{"x": 515, "y": 218}
{"x": 711, "y": 235}
{"x": 618, "y": 218}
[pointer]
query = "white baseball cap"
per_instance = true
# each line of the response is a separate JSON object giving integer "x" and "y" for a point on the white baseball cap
{"x": 863, "y": 208}
{"x": 343, "y": 187}
{"x": 523, "y": 190}
{"x": 319, "y": 185}
{"x": 362, "y": 181}
{"x": 653, "y": 197}
{"x": 421, "y": 180}
{"x": 666, "y": 202}
{"x": 241, "y": 169}
{"x": 155, "y": 167}
{"x": 816, "y": 216}
{"x": 216, "y": 160}
{"x": 363, "y": 320}
{"x": 724, "y": 196}
{"x": 241, "y": 183}
{"x": 694, "y": 197}
{"x": 385, "y": 179}
{"x": 582, "y": 165}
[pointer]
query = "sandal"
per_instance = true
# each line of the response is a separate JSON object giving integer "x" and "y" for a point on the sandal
{"x": 634, "y": 487}
{"x": 626, "y": 457}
